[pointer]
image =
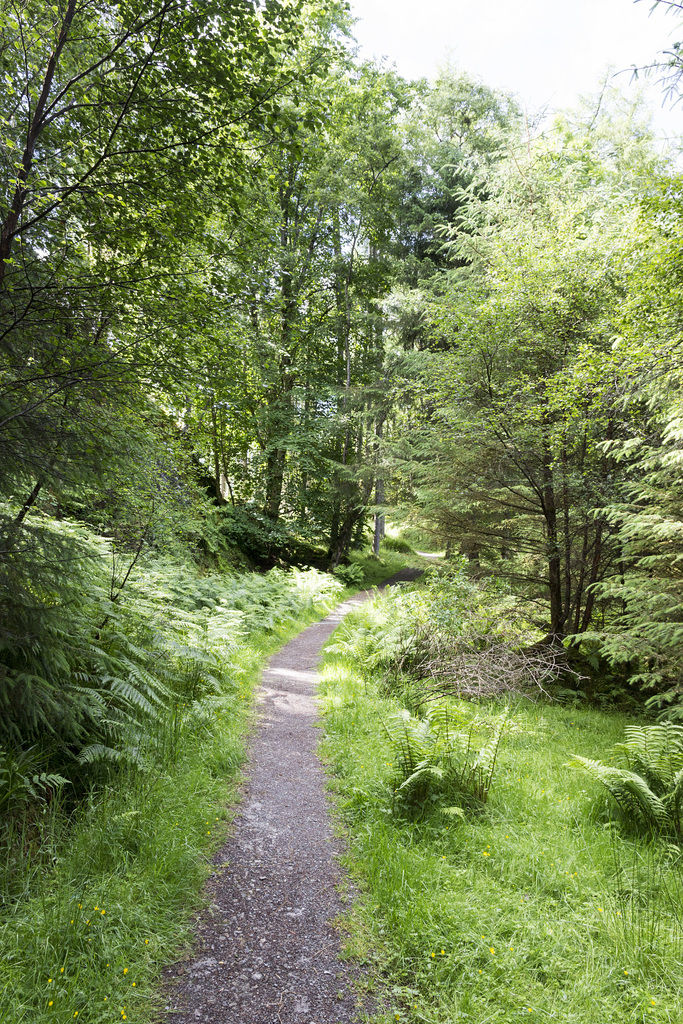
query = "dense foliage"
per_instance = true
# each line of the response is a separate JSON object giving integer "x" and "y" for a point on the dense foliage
{"x": 544, "y": 902}
{"x": 256, "y": 292}
{"x": 102, "y": 864}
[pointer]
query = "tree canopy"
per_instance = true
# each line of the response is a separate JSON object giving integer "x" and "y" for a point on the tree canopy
{"x": 255, "y": 291}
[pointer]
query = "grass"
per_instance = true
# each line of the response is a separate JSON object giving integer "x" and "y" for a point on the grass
{"x": 376, "y": 570}
{"x": 105, "y": 895}
{"x": 533, "y": 908}
{"x": 414, "y": 538}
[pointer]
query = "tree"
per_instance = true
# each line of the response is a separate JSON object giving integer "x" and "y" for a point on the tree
{"x": 124, "y": 127}
{"x": 109, "y": 110}
{"x": 525, "y": 394}
{"x": 299, "y": 285}
{"x": 459, "y": 131}
{"x": 644, "y": 633}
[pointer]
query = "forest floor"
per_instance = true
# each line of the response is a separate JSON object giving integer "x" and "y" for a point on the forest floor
{"x": 267, "y": 950}
{"x": 540, "y": 903}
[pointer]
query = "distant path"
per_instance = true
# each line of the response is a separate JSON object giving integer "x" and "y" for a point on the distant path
{"x": 266, "y": 952}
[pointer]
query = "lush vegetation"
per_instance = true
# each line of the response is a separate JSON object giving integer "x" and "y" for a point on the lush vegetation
{"x": 103, "y": 865}
{"x": 256, "y": 294}
{"x": 497, "y": 882}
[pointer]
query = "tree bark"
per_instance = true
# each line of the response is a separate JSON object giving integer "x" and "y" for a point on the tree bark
{"x": 379, "y": 490}
{"x": 593, "y": 578}
{"x": 557, "y": 615}
{"x": 9, "y": 226}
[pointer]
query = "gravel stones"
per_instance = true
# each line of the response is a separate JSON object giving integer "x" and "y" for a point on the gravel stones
{"x": 266, "y": 951}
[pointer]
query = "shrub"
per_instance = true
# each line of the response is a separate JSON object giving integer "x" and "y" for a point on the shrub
{"x": 118, "y": 679}
{"x": 350, "y": 575}
{"x": 397, "y": 544}
{"x": 647, "y": 785}
{"x": 437, "y": 756}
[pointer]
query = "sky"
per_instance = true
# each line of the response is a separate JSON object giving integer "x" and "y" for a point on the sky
{"x": 547, "y": 52}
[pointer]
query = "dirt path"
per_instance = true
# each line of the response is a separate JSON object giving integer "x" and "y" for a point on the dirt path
{"x": 266, "y": 951}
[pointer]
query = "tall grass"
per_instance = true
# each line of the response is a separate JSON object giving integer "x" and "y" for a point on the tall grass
{"x": 100, "y": 872}
{"x": 533, "y": 907}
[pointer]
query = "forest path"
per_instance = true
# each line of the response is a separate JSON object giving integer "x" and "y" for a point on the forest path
{"x": 266, "y": 951}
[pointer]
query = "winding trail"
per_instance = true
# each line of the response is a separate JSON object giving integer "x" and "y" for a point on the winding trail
{"x": 267, "y": 952}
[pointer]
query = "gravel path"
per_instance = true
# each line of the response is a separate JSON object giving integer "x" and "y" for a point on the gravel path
{"x": 266, "y": 951}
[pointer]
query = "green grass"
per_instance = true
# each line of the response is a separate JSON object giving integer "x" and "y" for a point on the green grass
{"x": 533, "y": 908}
{"x": 415, "y": 538}
{"x": 103, "y": 897}
{"x": 376, "y": 570}
{"x": 97, "y": 901}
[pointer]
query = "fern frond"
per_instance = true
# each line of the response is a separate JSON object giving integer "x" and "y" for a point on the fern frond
{"x": 629, "y": 790}
{"x": 411, "y": 739}
{"x": 98, "y": 752}
{"x": 485, "y": 762}
{"x": 423, "y": 769}
{"x": 133, "y": 697}
{"x": 673, "y": 800}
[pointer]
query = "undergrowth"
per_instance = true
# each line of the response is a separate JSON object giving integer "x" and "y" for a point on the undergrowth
{"x": 102, "y": 862}
{"x": 646, "y": 780}
{"x": 534, "y": 906}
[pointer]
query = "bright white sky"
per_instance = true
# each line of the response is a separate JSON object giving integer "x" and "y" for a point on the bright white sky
{"x": 548, "y": 52}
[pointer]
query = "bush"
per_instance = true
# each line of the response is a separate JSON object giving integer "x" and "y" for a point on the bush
{"x": 450, "y": 635}
{"x": 646, "y": 784}
{"x": 397, "y": 544}
{"x": 436, "y": 757}
{"x": 350, "y": 575}
{"x": 117, "y": 680}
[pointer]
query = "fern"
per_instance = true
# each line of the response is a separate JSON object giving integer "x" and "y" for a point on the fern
{"x": 648, "y": 787}
{"x": 98, "y": 753}
{"x": 412, "y": 740}
{"x": 22, "y": 782}
{"x": 484, "y": 765}
{"x": 629, "y": 790}
{"x": 377, "y": 634}
{"x": 655, "y": 752}
{"x": 105, "y": 683}
{"x": 436, "y": 756}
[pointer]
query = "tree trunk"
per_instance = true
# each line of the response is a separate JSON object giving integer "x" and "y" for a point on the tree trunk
{"x": 557, "y": 615}
{"x": 275, "y": 473}
{"x": 379, "y": 490}
{"x": 593, "y": 578}
{"x": 216, "y": 454}
{"x": 344, "y": 537}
